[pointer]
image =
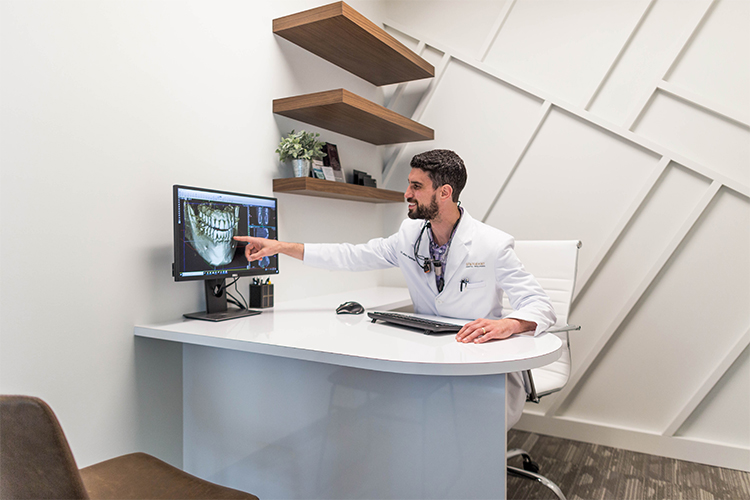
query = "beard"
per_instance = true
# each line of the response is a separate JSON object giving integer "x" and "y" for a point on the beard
{"x": 426, "y": 212}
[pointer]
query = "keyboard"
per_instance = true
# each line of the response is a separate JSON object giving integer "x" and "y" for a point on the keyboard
{"x": 428, "y": 326}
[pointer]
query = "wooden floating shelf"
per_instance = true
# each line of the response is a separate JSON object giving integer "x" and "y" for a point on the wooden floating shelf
{"x": 354, "y": 116}
{"x": 329, "y": 189}
{"x": 346, "y": 38}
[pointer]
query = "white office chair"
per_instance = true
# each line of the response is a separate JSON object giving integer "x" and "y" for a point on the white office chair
{"x": 554, "y": 264}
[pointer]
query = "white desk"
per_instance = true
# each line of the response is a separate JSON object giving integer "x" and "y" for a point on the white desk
{"x": 299, "y": 402}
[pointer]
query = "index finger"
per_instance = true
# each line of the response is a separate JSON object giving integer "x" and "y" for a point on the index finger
{"x": 467, "y": 327}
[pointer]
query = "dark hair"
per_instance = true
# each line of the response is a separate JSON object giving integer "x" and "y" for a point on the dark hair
{"x": 444, "y": 167}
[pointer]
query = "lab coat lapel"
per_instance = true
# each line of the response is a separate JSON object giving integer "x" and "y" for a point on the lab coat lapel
{"x": 459, "y": 249}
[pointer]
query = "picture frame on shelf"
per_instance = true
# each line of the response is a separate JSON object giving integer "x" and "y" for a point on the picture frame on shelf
{"x": 328, "y": 174}
{"x": 331, "y": 159}
{"x": 317, "y": 169}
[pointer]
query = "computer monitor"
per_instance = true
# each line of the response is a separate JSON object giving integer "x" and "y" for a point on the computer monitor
{"x": 205, "y": 224}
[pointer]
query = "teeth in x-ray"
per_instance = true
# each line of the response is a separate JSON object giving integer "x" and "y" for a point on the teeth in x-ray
{"x": 263, "y": 215}
{"x": 212, "y": 230}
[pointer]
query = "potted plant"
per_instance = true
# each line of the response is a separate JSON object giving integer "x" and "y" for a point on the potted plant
{"x": 300, "y": 148}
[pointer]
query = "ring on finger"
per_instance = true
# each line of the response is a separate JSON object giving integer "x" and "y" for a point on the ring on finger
{"x": 483, "y": 331}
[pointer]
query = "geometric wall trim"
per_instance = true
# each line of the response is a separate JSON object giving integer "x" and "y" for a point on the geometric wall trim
{"x": 722, "y": 176}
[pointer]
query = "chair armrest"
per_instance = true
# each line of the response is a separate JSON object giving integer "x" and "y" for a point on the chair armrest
{"x": 566, "y": 328}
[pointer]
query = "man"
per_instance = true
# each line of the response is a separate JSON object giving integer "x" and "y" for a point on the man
{"x": 454, "y": 266}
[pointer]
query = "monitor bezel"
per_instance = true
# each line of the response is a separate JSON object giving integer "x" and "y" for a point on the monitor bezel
{"x": 176, "y": 243}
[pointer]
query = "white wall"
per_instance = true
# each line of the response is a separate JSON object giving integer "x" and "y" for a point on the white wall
{"x": 625, "y": 124}
{"x": 106, "y": 105}
{"x": 553, "y": 105}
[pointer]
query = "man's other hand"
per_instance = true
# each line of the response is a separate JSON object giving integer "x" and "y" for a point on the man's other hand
{"x": 481, "y": 330}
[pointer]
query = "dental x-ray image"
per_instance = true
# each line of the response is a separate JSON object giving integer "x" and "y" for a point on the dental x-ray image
{"x": 210, "y": 229}
{"x": 206, "y": 222}
{"x": 262, "y": 217}
{"x": 264, "y": 262}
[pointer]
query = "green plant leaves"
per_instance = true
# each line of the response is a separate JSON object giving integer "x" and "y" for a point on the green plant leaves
{"x": 302, "y": 145}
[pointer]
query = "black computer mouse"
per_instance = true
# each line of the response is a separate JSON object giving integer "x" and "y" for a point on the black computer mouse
{"x": 350, "y": 307}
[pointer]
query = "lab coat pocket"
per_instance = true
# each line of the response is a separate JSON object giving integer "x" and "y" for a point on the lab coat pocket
{"x": 475, "y": 284}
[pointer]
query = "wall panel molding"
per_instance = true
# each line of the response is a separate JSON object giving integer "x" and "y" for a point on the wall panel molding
{"x": 543, "y": 114}
{"x": 679, "y": 49}
{"x": 730, "y": 114}
{"x": 551, "y": 420}
{"x": 492, "y": 36}
{"x": 592, "y": 95}
{"x": 648, "y": 187}
{"x": 624, "y": 133}
{"x": 423, "y": 103}
{"x": 583, "y": 369}
{"x": 720, "y": 454}
{"x": 708, "y": 384}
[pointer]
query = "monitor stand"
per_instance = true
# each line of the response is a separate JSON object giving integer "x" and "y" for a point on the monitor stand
{"x": 216, "y": 304}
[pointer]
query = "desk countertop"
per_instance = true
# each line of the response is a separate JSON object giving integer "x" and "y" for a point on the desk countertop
{"x": 310, "y": 330}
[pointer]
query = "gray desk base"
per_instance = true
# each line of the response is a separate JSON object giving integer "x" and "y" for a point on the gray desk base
{"x": 287, "y": 428}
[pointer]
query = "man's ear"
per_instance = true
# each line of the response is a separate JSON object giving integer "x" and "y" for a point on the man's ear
{"x": 446, "y": 192}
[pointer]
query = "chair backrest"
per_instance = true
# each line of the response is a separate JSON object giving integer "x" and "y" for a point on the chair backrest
{"x": 35, "y": 458}
{"x": 554, "y": 264}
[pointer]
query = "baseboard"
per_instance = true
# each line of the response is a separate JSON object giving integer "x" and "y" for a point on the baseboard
{"x": 681, "y": 448}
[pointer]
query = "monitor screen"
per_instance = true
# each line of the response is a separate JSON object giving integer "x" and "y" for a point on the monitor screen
{"x": 205, "y": 224}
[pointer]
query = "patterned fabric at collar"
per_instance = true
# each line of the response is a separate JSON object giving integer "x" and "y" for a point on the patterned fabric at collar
{"x": 440, "y": 253}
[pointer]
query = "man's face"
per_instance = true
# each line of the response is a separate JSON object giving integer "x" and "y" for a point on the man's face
{"x": 422, "y": 197}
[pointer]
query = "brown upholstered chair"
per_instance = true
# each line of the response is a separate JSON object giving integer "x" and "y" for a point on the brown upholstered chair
{"x": 36, "y": 462}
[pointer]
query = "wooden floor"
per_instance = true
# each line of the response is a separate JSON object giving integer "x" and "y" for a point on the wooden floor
{"x": 586, "y": 471}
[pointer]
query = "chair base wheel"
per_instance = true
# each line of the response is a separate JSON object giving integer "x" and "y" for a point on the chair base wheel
{"x": 537, "y": 477}
{"x": 530, "y": 465}
{"x": 531, "y": 471}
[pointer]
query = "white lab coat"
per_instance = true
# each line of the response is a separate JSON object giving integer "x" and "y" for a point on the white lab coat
{"x": 480, "y": 256}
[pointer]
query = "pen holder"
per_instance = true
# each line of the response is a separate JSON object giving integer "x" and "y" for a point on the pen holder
{"x": 261, "y": 296}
